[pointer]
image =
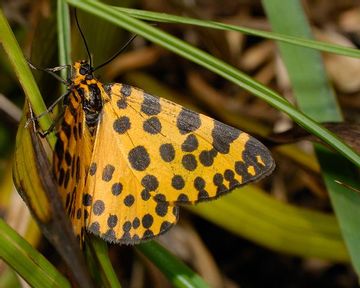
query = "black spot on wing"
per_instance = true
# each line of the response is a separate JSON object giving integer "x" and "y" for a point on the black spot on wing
{"x": 148, "y": 234}
{"x": 152, "y": 125}
{"x": 127, "y": 226}
{"x": 147, "y": 221}
{"x": 87, "y": 199}
{"x": 129, "y": 200}
{"x": 121, "y": 103}
{"x": 135, "y": 239}
{"x": 59, "y": 149}
{"x": 75, "y": 132}
{"x": 189, "y": 162}
{"x": 139, "y": 158}
{"x": 190, "y": 144}
{"x": 109, "y": 236}
{"x": 207, "y": 157}
{"x": 167, "y": 152}
{"x": 122, "y": 124}
{"x": 67, "y": 201}
{"x": 68, "y": 158}
{"x": 182, "y": 198}
{"x": 81, "y": 93}
{"x": 67, "y": 178}
{"x": 223, "y": 135}
{"x": 73, "y": 167}
{"x": 79, "y": 129}
{"x": 92, "y": 169}
{"x": 229, "y": 176}
{"x": 61, "y": 177}
{"x": 98, "y": 207}
{"x": 77, "y": 174}
{"x": 108, "y": 172}
{"x": 199, "y": 183}
{"x": 145, "y": 194}
{"x": 72, "y": 110}
{"x": 66, "y": 128}
{"x": 151, "y": 105}
{"x": 94, "y": 228}
{"x": 78, "y": 213}
{"x": 160, "y": 197}
{"x": 178, "y": 182}
{"x": 161, "y": 208}
{"x": 86, "y": 214}
{"x": 107, "y": 88}
{"x": 116, "y": 189}
{"x": 202, "y": 195}
{"x": 112, "y": 221}
{"x": 136, "y": 223}
{"x": 125, "y": 90}
{"x": 150, "y": 182}
{"x": 188, "y": 121}
{"x": 254, "y": 149}
{"x": 218, "y": 180}
{"x": 165, "y": 226}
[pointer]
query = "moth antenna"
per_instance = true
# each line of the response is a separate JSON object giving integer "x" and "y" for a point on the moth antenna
{"x": 126, "y": 45}
{"x": 83, "y": 37}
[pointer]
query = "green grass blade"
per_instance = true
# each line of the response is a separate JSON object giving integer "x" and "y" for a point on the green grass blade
{"x": 306, "y": 71}
{"x": 101, "y": 251}
{"x": 317, "y": 99}
{"x": 24, "y": 74}
{"x": 254, "y": 215}
{"x": 300, "y": 41}
{"x": 28, "y": 262}
{"x": 177, "y": 272}
{"x": 219, "y": 67}
{"x": 9, "y": 278}
{"x": 64, "y": 37}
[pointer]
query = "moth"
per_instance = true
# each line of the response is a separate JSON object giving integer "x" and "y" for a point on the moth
{"x": 125, "y": 160}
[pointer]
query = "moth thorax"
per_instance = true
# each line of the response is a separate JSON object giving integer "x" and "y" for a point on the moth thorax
{"x": 92, "y": 105}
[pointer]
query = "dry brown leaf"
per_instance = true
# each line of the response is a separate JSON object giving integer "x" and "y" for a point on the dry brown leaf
{"x": 342, "y": 70}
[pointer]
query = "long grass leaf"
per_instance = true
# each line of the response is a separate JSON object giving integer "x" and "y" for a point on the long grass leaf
{"x": 177, "y": 272}
{"x": 300, "y": 41}
{"x": 217, "y": 66}
{"x": 24, "y": 75}
{"x": 316, "y": 98}
{"x": 28, "y": 262}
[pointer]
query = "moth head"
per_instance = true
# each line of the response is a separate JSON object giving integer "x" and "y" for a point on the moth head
{"x": 82, "y": 71}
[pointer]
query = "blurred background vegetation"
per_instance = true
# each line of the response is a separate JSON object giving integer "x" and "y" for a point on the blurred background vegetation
{"x": 280, "y": 232}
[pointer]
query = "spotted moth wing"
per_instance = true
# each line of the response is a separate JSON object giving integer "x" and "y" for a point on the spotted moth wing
{"x": 72, "y": 152}
{"x": 151, "y": 154}
{"x": 123, "y": 208}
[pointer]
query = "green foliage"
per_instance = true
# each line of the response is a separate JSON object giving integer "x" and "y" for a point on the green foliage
{"x": 317, "y": 99}
{"x": 269, "y": 219}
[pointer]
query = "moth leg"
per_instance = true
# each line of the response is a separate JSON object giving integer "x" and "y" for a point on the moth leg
{"x": 34, "y": 120}
{"x": 52, "y": 106}
{"x": 43, "y": 134}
